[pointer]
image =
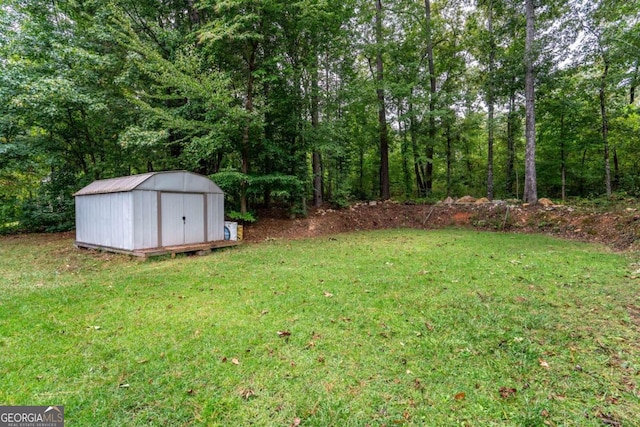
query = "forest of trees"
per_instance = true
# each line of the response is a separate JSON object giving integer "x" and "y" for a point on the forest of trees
{"x": 297, "y": 102}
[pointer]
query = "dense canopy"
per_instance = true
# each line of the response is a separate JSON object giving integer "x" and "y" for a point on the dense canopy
{"x": 316, "y": 101}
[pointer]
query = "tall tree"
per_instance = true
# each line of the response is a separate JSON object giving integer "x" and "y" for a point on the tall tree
{"x": 382, "y": 108}
{"x": 490, "y": 98}
{"x": 428, "y": 25}
{"x": 530, "y": 180}
{"x": 237, "y": 27}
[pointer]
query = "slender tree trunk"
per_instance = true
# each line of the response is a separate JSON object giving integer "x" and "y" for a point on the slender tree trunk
{"x": 530, "y": 182}
{"x": 404, "y": 151}
{"x": 315, "y": 122}
{"x": 511, "y": 146}
{"x": 605, "y": 126}
{"x": 361, "y": 172}
{"x": 194, "y": 17}
{"x": 634, "y": 83}
{"x": 449, "y": 156}
{"x": 382, "y": 115}
{"x": 562, "y": 159}
{"x": 490, "y": 104}
{"x": 432, "y": 99}
{"x": 417, "y": 164}
{"x": 251, "y": 65}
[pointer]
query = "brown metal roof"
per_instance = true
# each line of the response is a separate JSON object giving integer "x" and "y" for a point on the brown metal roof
{"x": 172, "y": 181}
{"x": 115, "y": 185}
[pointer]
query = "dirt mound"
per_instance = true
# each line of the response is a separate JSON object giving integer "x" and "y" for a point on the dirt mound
{"x": 619, "y": 230}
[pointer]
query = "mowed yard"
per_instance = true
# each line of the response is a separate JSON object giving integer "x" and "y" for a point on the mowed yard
{"x": 396, "y": 327}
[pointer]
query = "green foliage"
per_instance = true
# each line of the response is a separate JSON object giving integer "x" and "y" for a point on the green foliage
{"x": 9, "y": 214}
{"x": 104, "y": 89}
{"x": 52, "y": 208}
{"x": 247, "y": 217}
{"x": 287, "y": 189}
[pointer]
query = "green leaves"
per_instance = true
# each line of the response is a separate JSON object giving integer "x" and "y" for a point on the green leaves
{"x": 286, "y": 188}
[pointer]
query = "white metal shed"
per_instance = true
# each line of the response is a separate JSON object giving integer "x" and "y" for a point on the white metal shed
{"x": 156, "y": 211}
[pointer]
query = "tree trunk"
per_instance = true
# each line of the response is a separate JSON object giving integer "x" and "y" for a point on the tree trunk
{"x": 315, "y": 121}
{"x": 530, "y": 182}
{"x": 417, "y": 164}
{"x": 194, "y": 17}
{"x": 404, "y": 151}
{"x": 490, "y": 104}
{"x": 361, "y": 172}
{"x": 511, "y": 146}
{"x": 382, "y": 115}
{"x": 251, "y": 65}
{"x": 634, "y": 83}
{"x": 432, "y": 99}
{"x": 563, "y": 166}
{"x": 449, "y": 156}
{"x": 605, "y": 127}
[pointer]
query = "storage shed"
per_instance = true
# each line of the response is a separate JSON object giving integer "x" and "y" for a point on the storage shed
{"x": 151, "y": 213}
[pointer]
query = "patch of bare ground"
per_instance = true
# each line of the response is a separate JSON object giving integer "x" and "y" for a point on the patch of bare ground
{"x": 619, "y": 230}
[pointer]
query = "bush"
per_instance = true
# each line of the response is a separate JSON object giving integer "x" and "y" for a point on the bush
{"x": 285, "y": 188}
{"x": 52, "y": 209}
{"x": 9, "y": 214}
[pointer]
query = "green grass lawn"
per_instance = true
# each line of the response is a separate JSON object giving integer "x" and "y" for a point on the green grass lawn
{"x": 401, "y": 327}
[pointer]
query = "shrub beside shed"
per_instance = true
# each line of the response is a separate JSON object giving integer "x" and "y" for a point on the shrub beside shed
{"x": 151, "y": 213}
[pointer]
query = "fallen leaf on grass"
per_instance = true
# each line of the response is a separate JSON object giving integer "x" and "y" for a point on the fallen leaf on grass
{"x": 608, "y": 419}
{"x": 507, "y": 392}
{"x": 328, "y": 294}
{"x": 247, "y": 393}
{"x": 543, "y": 363}
{"x": 460, "y": 396}
{"x": 235, "y": 361}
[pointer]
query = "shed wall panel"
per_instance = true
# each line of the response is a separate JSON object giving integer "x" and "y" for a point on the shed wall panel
{"x": 145, "y": 219}
{"x": 105, "y": 220}
{"x": 215, "y": 217}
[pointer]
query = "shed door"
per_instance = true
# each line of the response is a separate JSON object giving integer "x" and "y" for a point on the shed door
{"x": 183, "y": 219}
